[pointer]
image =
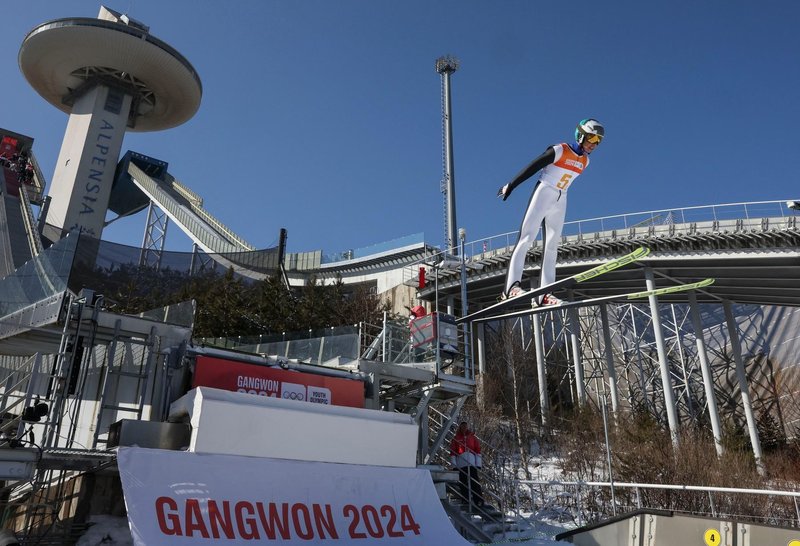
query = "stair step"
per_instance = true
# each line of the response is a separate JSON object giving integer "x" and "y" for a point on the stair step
{"x": 139, "y": 375}
{"x": 485, "y": 510}
{"x": 120, "y": 408}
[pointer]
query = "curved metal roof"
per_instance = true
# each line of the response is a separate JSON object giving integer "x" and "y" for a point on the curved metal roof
{"x": 756, "y": 262}
{"x": 53, "y": 52}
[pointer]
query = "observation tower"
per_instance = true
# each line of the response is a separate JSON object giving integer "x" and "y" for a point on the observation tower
{"x": 110, "y": 75}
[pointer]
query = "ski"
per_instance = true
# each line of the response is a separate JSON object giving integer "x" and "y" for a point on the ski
{"x": 567, "y": 282}
{"x": 604, "y": 299}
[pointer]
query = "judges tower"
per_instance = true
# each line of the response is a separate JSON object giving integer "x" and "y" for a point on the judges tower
{"x": 110, "y": 75}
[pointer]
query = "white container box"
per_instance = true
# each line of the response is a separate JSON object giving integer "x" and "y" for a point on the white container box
{"x": 258, "y": 426}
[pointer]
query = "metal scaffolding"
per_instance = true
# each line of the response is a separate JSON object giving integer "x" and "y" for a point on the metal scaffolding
{"x": 708, "y": 356}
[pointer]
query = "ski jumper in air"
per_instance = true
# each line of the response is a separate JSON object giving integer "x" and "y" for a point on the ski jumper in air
{"x": 560, "y": 165}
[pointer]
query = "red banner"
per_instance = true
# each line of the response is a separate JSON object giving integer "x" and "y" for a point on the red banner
{"x": 266, "y": 381}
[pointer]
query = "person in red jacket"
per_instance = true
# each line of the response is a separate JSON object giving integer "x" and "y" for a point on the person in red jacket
{"x": 465, "y": 455}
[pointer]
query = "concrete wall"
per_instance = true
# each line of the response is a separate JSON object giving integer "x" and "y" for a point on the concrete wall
{"x": 646, "y": 528}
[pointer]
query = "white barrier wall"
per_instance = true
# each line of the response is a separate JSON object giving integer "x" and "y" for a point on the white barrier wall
{"x": 235, "y": 423}
{"x": 179, "y": 498}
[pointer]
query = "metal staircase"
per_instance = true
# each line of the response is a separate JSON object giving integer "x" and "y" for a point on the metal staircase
{"x": 93, "y": 368}
{"x": 438, "y": 413}
{"x": 13, "y": 403}
{"x": 499, "y": 517}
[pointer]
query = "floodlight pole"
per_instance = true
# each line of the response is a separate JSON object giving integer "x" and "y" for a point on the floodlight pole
{"x": 445, "y": 66}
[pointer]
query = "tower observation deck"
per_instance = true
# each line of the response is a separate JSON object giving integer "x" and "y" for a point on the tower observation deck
{"x": 110, "y": 75}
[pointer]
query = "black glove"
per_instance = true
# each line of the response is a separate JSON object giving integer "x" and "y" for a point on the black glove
{"x": 504, "y": 192}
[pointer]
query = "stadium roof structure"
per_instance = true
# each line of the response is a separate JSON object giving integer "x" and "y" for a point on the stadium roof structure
{"x": 753, "y": 260}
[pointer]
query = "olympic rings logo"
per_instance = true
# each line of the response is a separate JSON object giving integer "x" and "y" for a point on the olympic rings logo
{"x": 259, "y": 393}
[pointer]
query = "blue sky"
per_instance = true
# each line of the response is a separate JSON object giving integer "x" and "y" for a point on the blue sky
{"x": 324, "y": 116}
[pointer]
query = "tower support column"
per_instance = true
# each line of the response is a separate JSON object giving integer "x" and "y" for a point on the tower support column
{"x": 705, "y": 368}
{"x": 86, "y": 164}
{"x": 541, "y": 370}
{"x": 666, "y": 376}
{"x": 110, "y": 75}
{"x": 609, "y": 355}
{"x": 575, "y": 340}
{"x": 744, "y": 386}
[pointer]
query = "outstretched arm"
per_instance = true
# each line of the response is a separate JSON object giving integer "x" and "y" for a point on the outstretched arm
{"x": 547, "y": 157}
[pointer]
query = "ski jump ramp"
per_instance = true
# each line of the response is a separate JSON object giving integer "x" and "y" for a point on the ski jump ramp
{"x": 276, "y": 470}
{"x": 184, "y": 207}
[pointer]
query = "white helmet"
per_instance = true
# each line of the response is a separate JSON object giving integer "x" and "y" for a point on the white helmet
{"x": 590, "y": 128}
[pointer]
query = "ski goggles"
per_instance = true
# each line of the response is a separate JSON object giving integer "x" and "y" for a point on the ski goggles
{"x": 593, "y": 139}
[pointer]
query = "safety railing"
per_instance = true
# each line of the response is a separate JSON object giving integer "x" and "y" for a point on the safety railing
{"x": 318, "y": 346}
{"x": 31, "y": 233}
{"x": 497, "y": 475}
{"x": 187, "y": 192}
{"x": 708, "y": 216}
{"x": 221, "y": 228}
{"x": 730, "y": 217}
{"x": 18, "y": 391}
{"x": 389, "y": 342}
{"x": 386, "y": 246}
{"x": 586, "y": 502}
{"x": 37, "y": 184}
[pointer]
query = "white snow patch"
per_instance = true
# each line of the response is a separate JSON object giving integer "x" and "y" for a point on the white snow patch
{"x": 107, "y": 531}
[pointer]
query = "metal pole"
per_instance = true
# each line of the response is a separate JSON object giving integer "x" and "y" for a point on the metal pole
{"x": 708, "y": 379}
{"x": 686, "y": 382}
{"x": 192, "y": 263}
{"x": 435, "y": 324}
{"x": 608, "y": 455}
{"x": 609, "y": 353}
{"x": 462, "y": 235}
{"x": 538, "y": 337}
{"x": 666, "y": 379}
{"x": 481, "y": 341}
{"x": 445, "y": 66}
{"x": 574, "y": 334}
{"x": 383, "y": 341}
{"x": 736, "y": 348}
{"x": 423, "y": 421}
{"x": 639, "y": 365}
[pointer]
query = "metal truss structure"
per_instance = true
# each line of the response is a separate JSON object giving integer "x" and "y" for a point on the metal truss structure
{"x": 719, "y": 363}
{"x": 155, "y": 236}
{"x": 708, "y": 356}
